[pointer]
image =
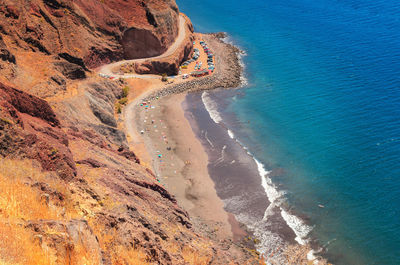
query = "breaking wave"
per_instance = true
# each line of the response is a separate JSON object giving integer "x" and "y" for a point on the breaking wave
{"x": 275, "y": 196}
{"x": 211, "y": 107}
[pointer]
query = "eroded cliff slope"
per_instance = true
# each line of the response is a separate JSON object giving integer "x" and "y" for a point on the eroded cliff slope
{"x": 71, "y": 191}
{"x": 89, "y": 32}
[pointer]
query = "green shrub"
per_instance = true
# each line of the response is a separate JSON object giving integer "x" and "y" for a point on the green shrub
{"x": 118, "y": 107}
{"x": 125, "y": 91}
{"x": 123, "y": 101}
{"x": 164, "y": 77}
{"x": 6, "y": 120}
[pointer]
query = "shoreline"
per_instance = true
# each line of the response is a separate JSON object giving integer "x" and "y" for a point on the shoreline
{"x": 228, "y": 73}
{"x": 167, "y": 145}
{"x": 198, "y": 193}
{"x": 169, "y": 130}
{"x": 183, "y": 168}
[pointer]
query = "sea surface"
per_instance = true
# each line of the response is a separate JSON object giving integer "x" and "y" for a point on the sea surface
{"x": 319, "y": 115}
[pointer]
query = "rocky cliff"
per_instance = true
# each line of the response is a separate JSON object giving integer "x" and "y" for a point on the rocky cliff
{"x": 71, "y": 190}
{"x": 170, "y": 64}
{"x": 89, "y": 32}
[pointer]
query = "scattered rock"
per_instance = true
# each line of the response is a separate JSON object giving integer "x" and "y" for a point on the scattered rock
{"x": 70, "y": 70}
{"x": 5, "y": 54}
{"x": 91, "y": 162}
{"x": 58, "y": 80}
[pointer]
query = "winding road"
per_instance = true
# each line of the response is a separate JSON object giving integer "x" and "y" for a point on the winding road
{"x": 106, "y": 70}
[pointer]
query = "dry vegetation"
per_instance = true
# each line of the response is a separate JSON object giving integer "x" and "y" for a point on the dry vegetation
{"x": 123, "y": 100}
{"x": 18, "y": 204}
{"x": 21, "y": 203}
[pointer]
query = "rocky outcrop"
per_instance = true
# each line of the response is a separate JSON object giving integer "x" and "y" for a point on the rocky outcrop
{"x": 97, "y": 32}
{"x": 67, "y": 237}
{"x": 144, "y": 28}
{"x": 29, "y": 128}
{"x": 90, "y": 33}
{"x": 141, "y": 43}
{"x": 106, "y": 205}
{"x": 5, "y": 54}
{"x": 169, "y": 65}
{"x": 70, "y": 70}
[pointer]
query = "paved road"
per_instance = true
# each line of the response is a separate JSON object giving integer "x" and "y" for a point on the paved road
{"x": 107, "y": 69}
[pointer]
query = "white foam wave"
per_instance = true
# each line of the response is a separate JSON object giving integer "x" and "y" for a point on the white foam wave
{"x": 270, "y": 242}
{"x": 311, "y": 256}
{"x": 208, "y": 140}
{"x": 211, "y": 107}
{"x": 272, "y": 193}
{"x": 222, "y": 158}
{"x": 243, "y": 79}
{"x": 297, "y": 225}
{"x": 230, "y": 133}
{"x": 275, "y": 197}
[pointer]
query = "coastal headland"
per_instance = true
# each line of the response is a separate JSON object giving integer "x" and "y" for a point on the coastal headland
{"x": 99, "y": 161}
{"x": 156, "y": 120}
{"x": 157, "y": 123}
{"x": 74, "y": 187}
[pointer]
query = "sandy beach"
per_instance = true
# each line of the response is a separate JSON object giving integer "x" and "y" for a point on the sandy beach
{"x": 180, "y": 162}
{"x": 165, "y": 142}
{"x": 166, "y": 122}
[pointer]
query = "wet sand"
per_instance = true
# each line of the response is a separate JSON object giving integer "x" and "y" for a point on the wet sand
{"x": 237, "y": 178}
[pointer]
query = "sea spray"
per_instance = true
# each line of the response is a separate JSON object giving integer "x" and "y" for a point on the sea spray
{"x": 297, "y": 225}
{"x": 269, "y": 241}
{"x": 211, "y": 107}
{"x": 231, "y": 135}
{"x": 275, "y": 197}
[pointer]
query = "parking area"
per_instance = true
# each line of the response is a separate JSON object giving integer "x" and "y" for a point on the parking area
{"x": 202, "y": 62}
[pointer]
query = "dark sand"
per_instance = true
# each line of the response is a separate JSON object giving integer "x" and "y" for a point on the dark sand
{"x": 236, "y": 177}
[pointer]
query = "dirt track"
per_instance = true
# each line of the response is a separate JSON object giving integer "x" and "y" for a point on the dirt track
{"x": 107, "y": 69}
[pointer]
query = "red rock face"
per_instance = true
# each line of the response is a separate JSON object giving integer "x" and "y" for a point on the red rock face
{"x": 30, "y": 105}
{"x": 141, "y": 43}
{"x": 145, "y": 28}
{"x": 169, "y": 65}
{"x": 98, "y": 32}
{"x": 29, "y": 128}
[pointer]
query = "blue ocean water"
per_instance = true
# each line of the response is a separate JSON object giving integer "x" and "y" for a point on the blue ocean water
{"x": 323, "y": 105}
